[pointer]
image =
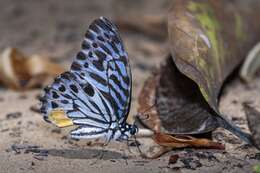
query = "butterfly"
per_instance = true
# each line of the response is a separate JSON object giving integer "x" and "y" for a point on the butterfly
{"x": 95, "y": 95}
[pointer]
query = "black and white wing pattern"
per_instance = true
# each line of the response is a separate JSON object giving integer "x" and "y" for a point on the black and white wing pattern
{"x": 96, "y": 93}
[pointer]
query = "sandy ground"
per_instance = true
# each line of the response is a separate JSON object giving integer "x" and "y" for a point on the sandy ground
{"x": 56, "y": 28}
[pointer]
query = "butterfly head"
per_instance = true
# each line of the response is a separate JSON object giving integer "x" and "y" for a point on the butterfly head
{"x": 133, "y": 129}
{"x": 127, "y": 131}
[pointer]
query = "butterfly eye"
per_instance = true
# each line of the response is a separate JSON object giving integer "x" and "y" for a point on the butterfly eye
{"x": 133, "y": 130}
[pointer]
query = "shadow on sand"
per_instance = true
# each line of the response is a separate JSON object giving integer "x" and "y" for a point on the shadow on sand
{"x": 68, "y": 153}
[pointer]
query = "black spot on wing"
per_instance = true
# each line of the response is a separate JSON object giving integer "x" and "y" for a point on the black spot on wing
{"x": 100, "y": 55}
{"x": 95, "y": 45}
{"x": 124, "y": 60}
{"x": 81, "y": 56}
{"x": 54, "y": 105}
{"x": 64, "y": 101}
{"x": 69, "y": 76}
{"x": 75, "y": 66}
{"x": 62, "y": 88}
{"x": 55, "y": 94}
{"x": 46, "y": 89}
{"x": 88, "y": 89}
{"x": 90, "y": 54}
{"x": 74, "y": 88}
{"x": 85, "y": 45}
{"x": 89, "y": 35}
{"x": 101, "y": 58}
{"x": 99, "y": 65}
{"x": 67, "y": 96}
{"x": 43, "y": 109}
{"x": 86, "y": 65}
{"x": 94, "y": 28}
{"x": 100, "y": 38}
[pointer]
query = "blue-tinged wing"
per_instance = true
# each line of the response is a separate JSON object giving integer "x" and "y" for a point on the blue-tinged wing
{"x": 103, "y": 62}
{"x": 97, "y": 89}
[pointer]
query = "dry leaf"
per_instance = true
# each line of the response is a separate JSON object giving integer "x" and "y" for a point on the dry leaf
{"x": 179, "y": 107}
{"x": 20, "y": 72}
{"x": 181, "y": 141}
{"x": 168, "y": 142}
{"x": 209, "y": 38}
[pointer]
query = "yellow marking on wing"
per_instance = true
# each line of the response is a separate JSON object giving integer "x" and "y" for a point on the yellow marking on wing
{"x": 60, "y": 119}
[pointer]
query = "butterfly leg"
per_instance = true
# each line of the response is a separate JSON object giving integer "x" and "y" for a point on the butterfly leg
{"x": 100, "y": 155}
{"x": 128, "y": 148}
{"x": 138, "y": 148}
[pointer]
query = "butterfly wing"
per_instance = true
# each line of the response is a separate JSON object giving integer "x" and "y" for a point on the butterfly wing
{"x": 97, "y": 89}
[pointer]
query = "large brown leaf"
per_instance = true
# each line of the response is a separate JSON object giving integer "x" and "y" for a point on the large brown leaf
{"x": 209, "y": 38}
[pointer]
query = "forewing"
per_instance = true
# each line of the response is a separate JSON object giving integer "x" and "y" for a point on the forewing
{"x": 103, "y": 62}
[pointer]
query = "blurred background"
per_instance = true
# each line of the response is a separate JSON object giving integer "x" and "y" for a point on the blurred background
{"x": 56, "y": 29}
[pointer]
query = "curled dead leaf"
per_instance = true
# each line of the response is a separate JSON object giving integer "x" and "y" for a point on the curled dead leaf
{"x": 167, "y": 142}
{"x": 209, "y": 39}
{"x": 20, "y": 72}
{"x": 177, "y": 105}
{"x": 180, "y": 141}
